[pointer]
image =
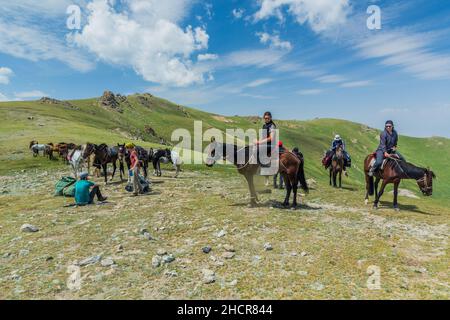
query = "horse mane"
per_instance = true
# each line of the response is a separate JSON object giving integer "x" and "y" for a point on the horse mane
{"x": 409, "y": 169}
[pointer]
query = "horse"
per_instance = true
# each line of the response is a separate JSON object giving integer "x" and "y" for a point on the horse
{"x": 76, "y": 160}
{"x": 290, "y": 167}
{"x": 104, "y": 155}
{"x": 336, "y": 168}
{"x": 394, "y": 171}
{"x": 157, "y": 157}
{"x": 35, "y": 147}
{"x": 124, "y": 156}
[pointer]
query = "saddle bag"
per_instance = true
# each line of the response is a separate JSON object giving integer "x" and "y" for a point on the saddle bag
{"x": 65, "y": 187}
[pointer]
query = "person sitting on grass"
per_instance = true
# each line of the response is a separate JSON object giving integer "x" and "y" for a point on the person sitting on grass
{"x": 83, "y": 194}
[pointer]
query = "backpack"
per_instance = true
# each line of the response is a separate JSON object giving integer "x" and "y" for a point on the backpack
{"x": 65, "y": 187}
{"x": 144, "y": 183}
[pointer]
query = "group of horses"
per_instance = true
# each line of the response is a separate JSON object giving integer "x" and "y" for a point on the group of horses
{"x": 100, "y": 155}
{"x": 49, "y": 149}
{"x": 291, "y": 169}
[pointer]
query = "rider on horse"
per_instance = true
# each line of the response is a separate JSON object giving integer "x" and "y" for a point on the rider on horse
{"x": 337, "y": 142}
{"x": 387, "y": 146}
{"x": 269, "y": 128}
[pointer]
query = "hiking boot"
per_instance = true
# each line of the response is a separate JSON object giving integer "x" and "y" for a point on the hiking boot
{"x": 345, "y": 173}
{"x": 103, "y": 199}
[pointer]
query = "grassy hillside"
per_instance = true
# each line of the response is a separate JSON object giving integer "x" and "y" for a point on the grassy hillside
{"x": 322, "y": 250}
{"x": 85, "y": 120}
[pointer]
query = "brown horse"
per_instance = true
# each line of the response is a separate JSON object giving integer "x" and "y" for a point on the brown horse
{"x": 104, "y": 155}
{"x": 394, "y": 171}
{"x": 336, "y": 168}
{"x": 291, "y": 168}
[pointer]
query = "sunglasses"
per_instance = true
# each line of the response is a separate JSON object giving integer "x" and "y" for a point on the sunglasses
{"x": 388, "y": 126}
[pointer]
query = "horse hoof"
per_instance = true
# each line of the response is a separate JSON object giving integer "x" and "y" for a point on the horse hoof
{"x": 366, "y": 201}
{"x": 375, "y": 207}
{"x": 396, "y": 208}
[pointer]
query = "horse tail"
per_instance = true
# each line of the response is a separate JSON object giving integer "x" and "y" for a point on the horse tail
{"x": 301, "y": 177}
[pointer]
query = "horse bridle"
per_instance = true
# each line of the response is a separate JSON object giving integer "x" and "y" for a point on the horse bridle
{"x": 424, "y": 179}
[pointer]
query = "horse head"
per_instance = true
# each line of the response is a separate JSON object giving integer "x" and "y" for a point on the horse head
{"x": 426, "y": 182}
{"x": 122, "y": 151}
{"x": 88, "y": 150}
{"x": 32, "y": 143}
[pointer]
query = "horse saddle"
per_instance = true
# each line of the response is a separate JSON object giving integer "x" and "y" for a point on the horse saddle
{"x": 113, "y": 152}
{"x": 372, "y": 163}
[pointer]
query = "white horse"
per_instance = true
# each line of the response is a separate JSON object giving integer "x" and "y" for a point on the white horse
{"x": 77, "y": 162}
{"x": 38, "y": 147}
{"x": 176, "y": 161}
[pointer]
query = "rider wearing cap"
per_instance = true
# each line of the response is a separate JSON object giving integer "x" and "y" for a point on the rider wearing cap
{"x": 387, "y": 146}
{"x": 338, "y": 141}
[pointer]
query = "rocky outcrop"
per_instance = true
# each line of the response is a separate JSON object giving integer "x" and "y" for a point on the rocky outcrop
{"x": 48, "y": 100}
{"x": 110, "y": 100}
{"x": 149, "y": 130}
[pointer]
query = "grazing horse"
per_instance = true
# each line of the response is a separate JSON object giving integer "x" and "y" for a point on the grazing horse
{"x": 394, "y": 171}
{"x": 76, "y": 160}
{"x": 104, "y": 155}
{"x": 337, "y": 165}
{"x": 124, "y": 156}
{"x": 290, "y": 167}
{"x": 157, "y": 157}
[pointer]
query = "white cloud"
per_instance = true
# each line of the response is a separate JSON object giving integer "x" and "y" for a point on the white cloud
{"x": 157, "y": 49}
{"x": 331, "y": 78}
{"x": 274, "y": 41}
{"x": 5, "y": 74}
{"x": 253, "y": 58}
{"x": 310, "y": 92}
{"x": 320, "y": 15}
{"x": 408, "y": 51}
{"x": 30, "y": 94}
{"x": 32, "y": 43}
{"x": 258, "y": 82}
{"x": 207, "y": 57}
{"x": 238, "y": 13}
{"x": 356, "y": 84}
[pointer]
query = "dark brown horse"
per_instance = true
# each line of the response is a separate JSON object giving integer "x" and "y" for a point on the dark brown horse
{"x": 336, "y": 168}
{"x": 394, "y": 171}
{"x": 103, "y": 155}
{"x": 290, "y": 167}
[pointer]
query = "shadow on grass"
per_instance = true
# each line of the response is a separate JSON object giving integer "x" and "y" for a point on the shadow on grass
{"x": 405, "y": 207}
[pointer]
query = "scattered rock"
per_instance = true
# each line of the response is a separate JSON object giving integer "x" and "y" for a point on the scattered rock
{"x": 303, "y": 254}
{"x": 49, "y": 258}
{"x": 156, "y": 261}
{"x": 161, "y": 252}
{"x": 317, "y": 286}
{"x": 228, "y": 255}
{"x": 232, "y": 283}
{"x": 229, "y": 248}
{"x": 107, "y": 262}
{"x": 168, "y": 258}
{"x": 88, "y": 261}
{"x": 147, "y": 236}
{"x": 209, "y": 276}
{"x": 28, "y": 228}
{"x": 206, "y": 249}
{"x": 171, "y": 274}
{"x": 119, "y": 248}
{"x": 268, "y": 246}
{"x": 221, "y": 233}
{"x": 24, "y": 252}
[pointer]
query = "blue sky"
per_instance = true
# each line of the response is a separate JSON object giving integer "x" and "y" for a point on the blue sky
{"x": 301, "y": 59}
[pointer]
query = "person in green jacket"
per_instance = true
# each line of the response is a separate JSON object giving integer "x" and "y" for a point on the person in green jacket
{"x": 83, "y": 193}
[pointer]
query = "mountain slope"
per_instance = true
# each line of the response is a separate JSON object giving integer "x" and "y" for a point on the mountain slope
{"x": 149, "y": 119}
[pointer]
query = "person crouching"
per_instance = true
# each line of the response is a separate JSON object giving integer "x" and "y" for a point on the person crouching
{"x": 83, "y": 193}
